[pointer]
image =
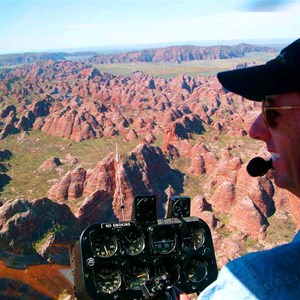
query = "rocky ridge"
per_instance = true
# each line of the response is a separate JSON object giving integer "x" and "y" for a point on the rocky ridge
{"x": 171, "y": 54}
{"x": 78, "y": 102}
{"x": 179, "y": 54}
{"x": 82, "y": 103}
{"x": 246, "y": 202}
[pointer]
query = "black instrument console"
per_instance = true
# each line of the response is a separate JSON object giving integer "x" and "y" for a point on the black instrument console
{"x": 121, "y": 260}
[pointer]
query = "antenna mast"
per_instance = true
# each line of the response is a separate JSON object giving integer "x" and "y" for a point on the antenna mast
{"x": 119, "y": 182}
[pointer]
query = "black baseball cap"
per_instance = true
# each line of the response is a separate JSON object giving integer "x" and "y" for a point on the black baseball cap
{"x": 277, "y": 76}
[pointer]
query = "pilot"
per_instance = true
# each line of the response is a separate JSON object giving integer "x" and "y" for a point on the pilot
{"x": 274, "y": 273}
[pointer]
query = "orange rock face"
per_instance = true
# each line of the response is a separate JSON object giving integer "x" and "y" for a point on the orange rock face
{"x": 78, "y": 102}
{"x": 111, "y": 187}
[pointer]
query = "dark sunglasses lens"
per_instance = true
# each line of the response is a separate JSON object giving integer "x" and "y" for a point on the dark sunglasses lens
{"x": 271, "y": 116}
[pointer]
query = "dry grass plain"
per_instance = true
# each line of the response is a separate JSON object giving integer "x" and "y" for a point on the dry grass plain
{"x": 192, "y": 68}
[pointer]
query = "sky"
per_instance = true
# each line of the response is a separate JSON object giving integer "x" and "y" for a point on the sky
{"x": 50, "y": 25}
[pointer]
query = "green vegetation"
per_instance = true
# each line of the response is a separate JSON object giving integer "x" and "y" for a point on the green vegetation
{"x": 30, "y": 151}
{"x": 79, "y": 57}
{"x": 56, "y": 229}
{"x": 281, "y": 229}
{"x": 251, "y": 244}
{"x": 193, "y": 185}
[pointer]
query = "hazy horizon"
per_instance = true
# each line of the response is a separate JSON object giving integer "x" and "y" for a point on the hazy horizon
{"x": 107, "y": 49}
{"x": 53, "y": 25}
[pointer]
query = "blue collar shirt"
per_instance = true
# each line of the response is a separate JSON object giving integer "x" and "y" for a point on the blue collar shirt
{"x": 266, "y": 275}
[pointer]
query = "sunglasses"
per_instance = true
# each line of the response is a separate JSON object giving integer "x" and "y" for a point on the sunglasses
{"x": 270, "y": 113}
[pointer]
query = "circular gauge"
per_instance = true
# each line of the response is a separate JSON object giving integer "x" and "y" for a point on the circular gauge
{"x": 132, "y": 241}
{"x": 196, "y": 269}
{"x": 181, "y": 207}
{"x": 163, "y": 239}
{"x": 107, "y": 279}
{"x": 193, "y": 237}
{"x": 103, "y": 243}
{"x": 171, "y": 268}
{"x": 135, "y": 276}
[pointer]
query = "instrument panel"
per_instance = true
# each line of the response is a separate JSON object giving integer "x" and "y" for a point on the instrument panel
{"x": 115, "y": 260}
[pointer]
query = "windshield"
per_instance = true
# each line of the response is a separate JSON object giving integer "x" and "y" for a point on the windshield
{"x": 101, "y": 101}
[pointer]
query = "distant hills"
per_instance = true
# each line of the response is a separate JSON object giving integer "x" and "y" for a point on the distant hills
{"x": 28, "y": 58}
{"x": 177, "y": 54}
{"x": 174, "y": 54}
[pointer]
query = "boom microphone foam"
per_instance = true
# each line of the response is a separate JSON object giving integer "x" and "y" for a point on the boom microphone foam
{"x": 258, "y": 166}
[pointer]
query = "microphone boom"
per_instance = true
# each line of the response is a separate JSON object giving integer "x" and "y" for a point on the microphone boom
{"x": 258, "y": 166}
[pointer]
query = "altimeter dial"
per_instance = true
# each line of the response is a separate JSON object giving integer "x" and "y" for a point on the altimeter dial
{"x": 103, "y": 243}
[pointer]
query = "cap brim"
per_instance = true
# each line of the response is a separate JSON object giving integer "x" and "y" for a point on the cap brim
{"x": 256, "y": 82}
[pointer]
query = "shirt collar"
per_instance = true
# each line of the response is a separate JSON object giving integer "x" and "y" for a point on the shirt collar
{"x": 296, "y": 237}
